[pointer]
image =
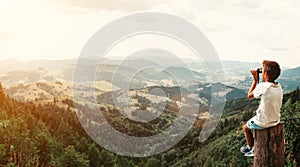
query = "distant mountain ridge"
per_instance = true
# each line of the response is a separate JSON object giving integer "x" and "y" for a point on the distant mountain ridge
{"x": 290, "y": 79}
{"x": 144, "y": 69}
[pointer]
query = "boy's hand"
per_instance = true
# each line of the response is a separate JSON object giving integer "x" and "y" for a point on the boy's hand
{"x": 255, "y": 79}
{"x": 254, "y": 74}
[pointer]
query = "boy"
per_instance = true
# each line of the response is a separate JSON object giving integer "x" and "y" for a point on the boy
{"x": 268, "y": 112}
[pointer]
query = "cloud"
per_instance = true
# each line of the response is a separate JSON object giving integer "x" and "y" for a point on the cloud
{"x": 247, "y": 4}
{"x": 279, "y": 49}
{"x": 6, "y": 35}
{"x": 120, "y": 5}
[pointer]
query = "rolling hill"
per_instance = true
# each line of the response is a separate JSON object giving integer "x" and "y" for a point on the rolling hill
{"x": 136, "y": 71}
{"x": 290, "y": 79}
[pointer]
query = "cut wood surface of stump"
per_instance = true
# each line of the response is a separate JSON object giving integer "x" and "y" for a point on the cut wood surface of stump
{"x": 269, "y": 147}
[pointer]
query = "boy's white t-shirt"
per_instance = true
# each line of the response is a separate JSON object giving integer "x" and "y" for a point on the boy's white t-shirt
{"x": 268, "y": 112}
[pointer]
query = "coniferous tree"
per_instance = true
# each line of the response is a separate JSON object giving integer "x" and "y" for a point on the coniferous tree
{"x": 2, "y": 95}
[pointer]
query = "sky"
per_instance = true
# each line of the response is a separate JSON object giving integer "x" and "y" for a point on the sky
{"x": 241, "y": 30}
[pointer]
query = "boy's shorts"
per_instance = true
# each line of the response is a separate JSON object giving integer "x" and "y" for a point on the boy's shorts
{"x": 252, "y": 125}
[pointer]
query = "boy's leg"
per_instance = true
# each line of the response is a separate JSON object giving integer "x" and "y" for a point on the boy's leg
{"x": 248, "y": 135}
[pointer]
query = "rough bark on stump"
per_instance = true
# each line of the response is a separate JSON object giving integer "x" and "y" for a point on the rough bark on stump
{"x": 269, "y": 147}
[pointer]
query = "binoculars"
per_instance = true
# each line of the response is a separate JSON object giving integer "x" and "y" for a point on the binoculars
{"x": 258, "y": 70}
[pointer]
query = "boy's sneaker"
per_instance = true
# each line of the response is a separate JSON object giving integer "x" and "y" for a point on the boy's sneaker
{"x": 246, "y": 149}
{"x": 250, "y": 153}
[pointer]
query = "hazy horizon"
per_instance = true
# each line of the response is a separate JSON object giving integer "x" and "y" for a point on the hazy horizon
{"x": 119, "y": 58}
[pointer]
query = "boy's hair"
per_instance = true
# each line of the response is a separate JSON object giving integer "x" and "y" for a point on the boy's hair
{"x": 272, "y": 68}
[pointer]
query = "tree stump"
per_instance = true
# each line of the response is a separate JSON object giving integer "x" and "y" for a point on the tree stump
{"x": 269, "y": 147}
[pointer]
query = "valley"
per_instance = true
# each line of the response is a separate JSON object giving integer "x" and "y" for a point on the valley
{"x": 135, "y": 101}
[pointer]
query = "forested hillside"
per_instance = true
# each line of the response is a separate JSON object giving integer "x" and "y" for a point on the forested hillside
{"x": 34, "y": 134}
{"x": 222, "y": 149}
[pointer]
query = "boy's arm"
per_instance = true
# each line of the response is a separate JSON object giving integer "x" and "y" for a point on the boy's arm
{"x": 253, "y": 85}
